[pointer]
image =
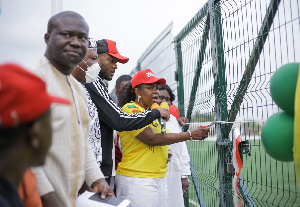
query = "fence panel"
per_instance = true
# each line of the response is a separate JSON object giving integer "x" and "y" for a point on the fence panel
{"x": 220, "y": 66}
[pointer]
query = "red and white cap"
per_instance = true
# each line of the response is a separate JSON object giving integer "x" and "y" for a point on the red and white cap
{"x": 23, "y": 96}
{"x": 146, "y": 77}
{"x": 109, "y": 47}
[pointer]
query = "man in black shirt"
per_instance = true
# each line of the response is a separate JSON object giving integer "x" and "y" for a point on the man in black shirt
{"x": 110, "y": 115}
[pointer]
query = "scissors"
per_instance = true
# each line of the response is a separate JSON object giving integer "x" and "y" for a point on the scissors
{"x": 208, "y": 126}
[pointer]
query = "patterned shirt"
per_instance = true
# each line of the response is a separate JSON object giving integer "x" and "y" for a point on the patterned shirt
{"x": 138, "y": 158}
{"x": 94, "y": 132}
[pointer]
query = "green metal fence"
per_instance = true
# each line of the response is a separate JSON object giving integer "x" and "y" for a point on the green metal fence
{"x": 219, "y": 66}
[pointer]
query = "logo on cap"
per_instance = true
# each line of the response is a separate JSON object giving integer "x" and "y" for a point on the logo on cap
{"x": 150, "y": 74}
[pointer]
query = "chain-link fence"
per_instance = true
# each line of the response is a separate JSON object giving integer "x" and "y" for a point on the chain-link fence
{"x": 219, "y": 66}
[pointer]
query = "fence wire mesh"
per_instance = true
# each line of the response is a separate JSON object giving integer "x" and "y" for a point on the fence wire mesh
{"x": 235, "y": 55}
{"x": 160, "y": 58}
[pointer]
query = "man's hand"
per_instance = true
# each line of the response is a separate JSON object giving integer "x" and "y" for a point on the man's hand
{"x": 84, "y": 188}
{"x": 101, "y": 186}
{"x": 185, "y": 185}
{"x": 164, "y": 113}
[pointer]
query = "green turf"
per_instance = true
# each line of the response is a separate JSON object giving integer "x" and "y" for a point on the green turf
{"x": 271, "y": 183}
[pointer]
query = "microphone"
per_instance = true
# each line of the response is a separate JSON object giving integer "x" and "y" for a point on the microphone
{"x": 155, "y": 106}
{"x": 162, "y": 120}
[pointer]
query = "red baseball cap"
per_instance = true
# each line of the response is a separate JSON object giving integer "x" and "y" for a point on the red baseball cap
{"x": 23, "y": 96}
{"x": 146, "y": 77}
{"x": 109, "y": 47}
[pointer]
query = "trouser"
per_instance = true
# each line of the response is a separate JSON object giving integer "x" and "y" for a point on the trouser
{"x": 142, "y": 192}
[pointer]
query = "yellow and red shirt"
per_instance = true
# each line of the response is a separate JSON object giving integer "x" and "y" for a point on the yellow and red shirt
{"x": 138, "y": 158}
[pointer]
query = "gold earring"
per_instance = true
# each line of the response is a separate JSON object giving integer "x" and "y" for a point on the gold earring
{"x": 139, "y": 98}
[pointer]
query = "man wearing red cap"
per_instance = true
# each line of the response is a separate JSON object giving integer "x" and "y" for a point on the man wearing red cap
{"x": 25, "y": 130}
{"x": 110, "y": 115}
{"x": 70, "y": 161}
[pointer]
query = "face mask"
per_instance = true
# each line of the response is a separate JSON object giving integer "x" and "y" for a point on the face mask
{"x": 92, "y": 73}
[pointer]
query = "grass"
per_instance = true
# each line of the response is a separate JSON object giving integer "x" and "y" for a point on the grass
{"x": 270, "y": 182}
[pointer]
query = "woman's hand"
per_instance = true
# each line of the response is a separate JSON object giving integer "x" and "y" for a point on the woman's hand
{"x": 164, "y": 113}
{"x": 200, "y": 133}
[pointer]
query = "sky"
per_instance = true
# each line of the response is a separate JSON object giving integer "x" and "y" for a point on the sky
{"x": 133, "y": 24}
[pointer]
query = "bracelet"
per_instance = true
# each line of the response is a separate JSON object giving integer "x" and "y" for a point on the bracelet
{"x": 191, "y": 138}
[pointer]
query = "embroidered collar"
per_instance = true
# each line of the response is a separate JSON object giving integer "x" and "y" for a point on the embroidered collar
{"x": 139, "y": 105}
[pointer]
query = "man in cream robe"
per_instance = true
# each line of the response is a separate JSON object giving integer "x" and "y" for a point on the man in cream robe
{"x": 70, "y": 161}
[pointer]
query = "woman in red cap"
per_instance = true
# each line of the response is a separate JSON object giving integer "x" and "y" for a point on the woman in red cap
{"x": 141, "y": 172}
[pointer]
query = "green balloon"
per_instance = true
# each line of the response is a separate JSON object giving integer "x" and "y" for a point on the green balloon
{"x": 277, "y": 136}
{"x": 283, "y": 86}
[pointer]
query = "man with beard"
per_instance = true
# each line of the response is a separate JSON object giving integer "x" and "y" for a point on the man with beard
{"x": 110, "y": 115}
{"x": 70, "y": 161}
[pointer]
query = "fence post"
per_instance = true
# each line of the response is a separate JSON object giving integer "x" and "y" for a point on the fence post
{"x": 201, "y": 53}
{"x": 179, "y": 75}
{"x": 225, "y": 179}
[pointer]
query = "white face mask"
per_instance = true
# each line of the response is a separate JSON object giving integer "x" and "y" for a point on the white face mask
{"x": 92, "y": 73}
